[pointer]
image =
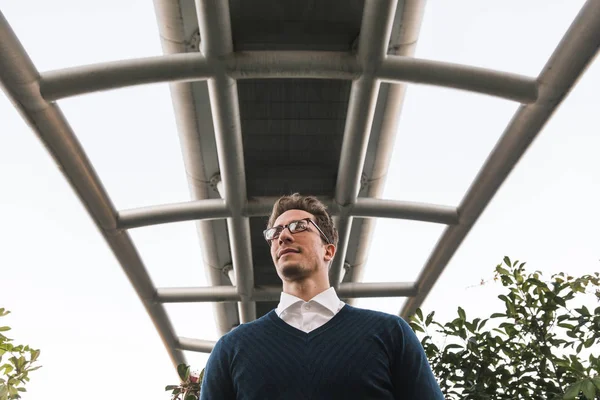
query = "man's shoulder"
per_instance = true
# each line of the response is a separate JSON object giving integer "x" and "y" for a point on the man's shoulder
{"x": 248, "y": 329}
{"x": 378, "y": 316}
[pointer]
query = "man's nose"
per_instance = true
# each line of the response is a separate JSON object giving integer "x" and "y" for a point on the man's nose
{"x": 285, "y": 236}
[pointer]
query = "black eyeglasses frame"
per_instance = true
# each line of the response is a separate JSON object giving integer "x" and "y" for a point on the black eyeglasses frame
{"x": 287, "y": 226}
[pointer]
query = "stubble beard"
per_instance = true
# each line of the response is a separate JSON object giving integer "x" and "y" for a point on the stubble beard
{"x": 292, "y": 271}
{"x": 295, "y": 270}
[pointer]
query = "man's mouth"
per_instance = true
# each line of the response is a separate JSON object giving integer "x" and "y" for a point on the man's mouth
{"x": 287, "y": 251}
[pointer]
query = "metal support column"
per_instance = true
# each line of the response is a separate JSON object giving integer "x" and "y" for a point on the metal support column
{"x": 216, "y": 45}
{"x": 374, "y": 37}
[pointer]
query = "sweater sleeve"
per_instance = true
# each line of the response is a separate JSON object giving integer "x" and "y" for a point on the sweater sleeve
{"x": 411, "y": 372}
{"x": 217, "y": 383}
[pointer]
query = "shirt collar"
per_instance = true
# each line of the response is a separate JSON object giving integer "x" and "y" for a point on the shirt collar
{"x": 328, "y": 299}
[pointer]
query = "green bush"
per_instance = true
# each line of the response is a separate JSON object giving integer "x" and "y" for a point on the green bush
{"x": 189, "y": 387}
{"x": 14, "y": 373}
{"x": 540, "y": 347}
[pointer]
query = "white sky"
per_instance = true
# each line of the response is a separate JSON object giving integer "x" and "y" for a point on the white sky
{"x": 69, "y": 296}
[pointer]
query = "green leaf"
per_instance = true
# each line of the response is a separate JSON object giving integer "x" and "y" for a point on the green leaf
{"x": 582, "y": 312}
{"x": 416, "y": 327}
{"x": 7, "y": 368}
{"x": 4, "y": 328}
{"x": 507, "y": 261}
{"x": 453, "y": 346}
{"x": 572, "y": 391}
{"x": 497, "y": 315}
{"x": 429, "y": 318}
{"x": 502, "y": 271}
{"x": 171, "y": 387}
{"x": 419, "y": 314}
{"x": 596, "y": 382}
{"x": 481, "y": 324}
{"x": 589, "y": 391}
{"x": 567, "y": 326}
{"x": 34, "y": 355}
{"x": 461, "y": 314}
{"x": 183, "y": 371}
{"x": 560, "y": 301}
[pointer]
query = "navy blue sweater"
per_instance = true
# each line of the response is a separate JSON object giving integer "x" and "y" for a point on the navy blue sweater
{"x": 358, "y": 354}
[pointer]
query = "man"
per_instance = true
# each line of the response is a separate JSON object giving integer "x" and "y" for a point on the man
{"x": 313, "y": 346}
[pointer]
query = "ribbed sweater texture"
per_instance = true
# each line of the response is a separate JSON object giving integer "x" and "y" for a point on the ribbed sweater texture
{"x": 358, "y": 354}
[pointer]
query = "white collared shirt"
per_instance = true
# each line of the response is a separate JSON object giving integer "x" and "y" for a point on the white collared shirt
{"x": 309, "y": 315}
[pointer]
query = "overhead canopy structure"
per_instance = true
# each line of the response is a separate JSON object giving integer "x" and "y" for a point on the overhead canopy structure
{"x": 276, "y": 97}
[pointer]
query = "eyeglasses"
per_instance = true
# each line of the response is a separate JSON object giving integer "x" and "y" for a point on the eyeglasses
{"x": 294, "y": 227}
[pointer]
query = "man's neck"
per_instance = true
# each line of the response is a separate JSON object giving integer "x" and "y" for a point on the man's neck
{"x": 306, "y": 289}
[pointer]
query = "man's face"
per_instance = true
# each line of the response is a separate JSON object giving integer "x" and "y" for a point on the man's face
{"x": 301, "y": 254}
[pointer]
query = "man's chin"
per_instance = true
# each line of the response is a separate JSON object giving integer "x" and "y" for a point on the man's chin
{"x": 290, "y": 270}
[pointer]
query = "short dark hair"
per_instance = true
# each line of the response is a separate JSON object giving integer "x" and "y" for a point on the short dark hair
{"x": 309, "y": 204}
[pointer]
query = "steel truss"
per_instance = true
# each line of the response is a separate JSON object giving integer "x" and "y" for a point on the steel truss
{"x": 34, "y": 93}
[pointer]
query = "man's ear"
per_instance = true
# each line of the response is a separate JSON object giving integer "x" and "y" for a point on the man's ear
{"x": 329, "y": 252}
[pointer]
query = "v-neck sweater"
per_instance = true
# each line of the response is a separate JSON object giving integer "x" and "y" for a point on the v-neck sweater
{"x": 358, "y": 354}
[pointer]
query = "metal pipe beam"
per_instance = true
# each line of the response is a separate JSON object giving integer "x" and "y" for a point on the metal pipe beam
{"x": 272, "y": 293}
{"x": 379, "y": 208}
{"x": 574, "y": 53}
{"x": 210, "y": 209}
{"x": 184, "y": 67}
{"x": 195, "y": 127}
{"x": 217, "y": 209}
{"x": 403, "y": 41}
{"x": 166, "y": 213}
{"x": 376, "y": 27}
{"x": 197, "y": 294}
{"x": 480, "y": 80}
{"x": 21, "y": 82}
{"x": 293, "y": 64}
{"x": 201, "y": 346}
{"x": 377, "y": 289}
{"x": 262, "y": 206}
{"x": 111, "y": 75}
{"x": 215, "y": 31}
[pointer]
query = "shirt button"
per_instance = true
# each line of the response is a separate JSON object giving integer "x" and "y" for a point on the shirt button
{"x": 307, "y": 306}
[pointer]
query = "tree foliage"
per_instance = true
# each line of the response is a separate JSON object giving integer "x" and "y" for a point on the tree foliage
{"x": 14, "y": 373}
{"x": 542, "y": 345}
{"x": 189, "y": 387}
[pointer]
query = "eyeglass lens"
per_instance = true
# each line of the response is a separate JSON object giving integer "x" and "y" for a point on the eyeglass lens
{"x": 294, "y": 227}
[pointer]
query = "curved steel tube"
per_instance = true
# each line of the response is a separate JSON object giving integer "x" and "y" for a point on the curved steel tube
{"x": 116, "y": 74}
{"x": 21, "y": 81}
{"x": 166, "y": 213}
{"x": 480, "y": 80}
{"x": 187, "y": 67}
{"x": 576, "y": 50}
{"x": 272, "y": 293}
